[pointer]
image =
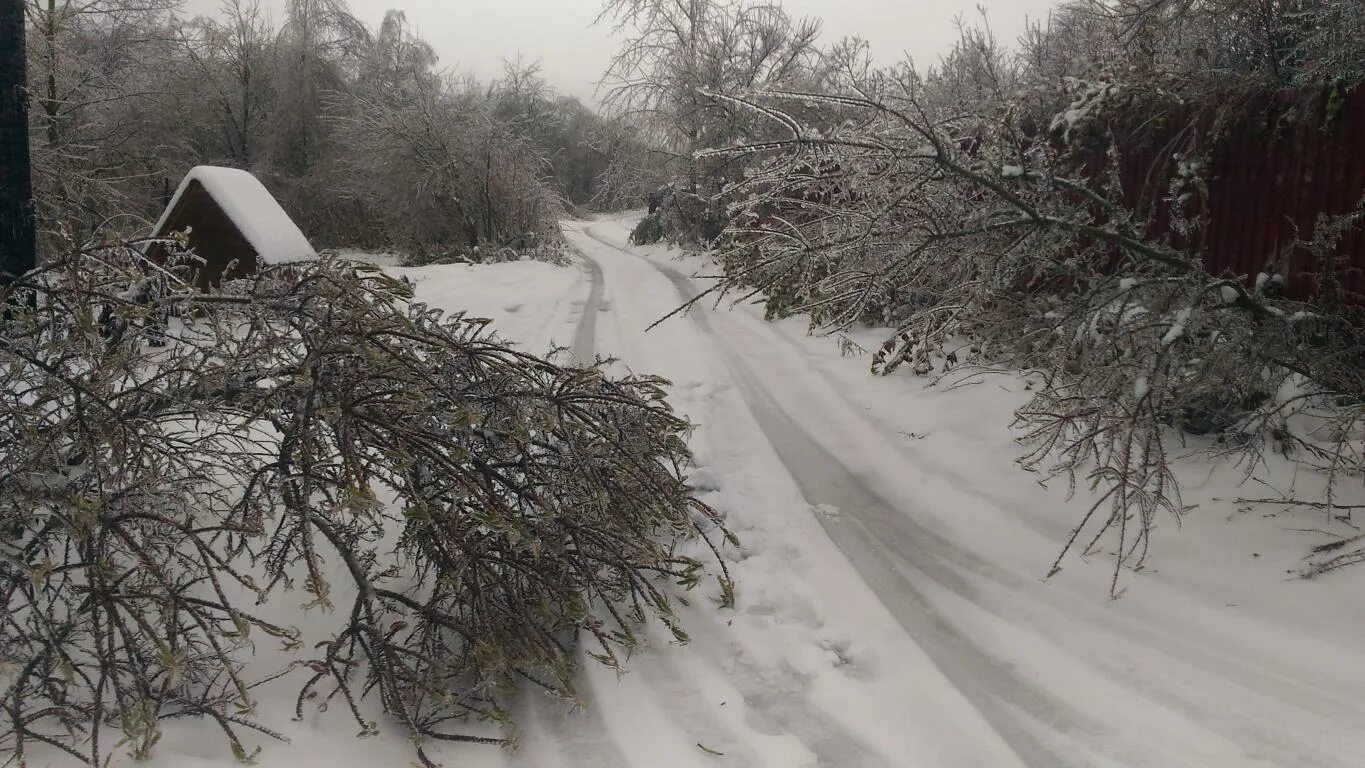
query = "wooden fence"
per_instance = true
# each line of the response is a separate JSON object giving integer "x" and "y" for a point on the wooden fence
{"x": 1274, "y": 162}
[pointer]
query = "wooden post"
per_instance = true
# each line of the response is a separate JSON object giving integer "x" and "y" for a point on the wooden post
{"x": 17, "y": 240}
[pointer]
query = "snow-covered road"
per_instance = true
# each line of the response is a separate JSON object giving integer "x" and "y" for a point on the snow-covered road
{"x": 891, "y": 553}
{"x": 986, "y": 664}
{"x": 891, "y": 608}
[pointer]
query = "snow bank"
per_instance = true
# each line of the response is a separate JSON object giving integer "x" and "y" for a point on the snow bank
{"x": 533, "y": 303}
{"x": 255, "y": 212}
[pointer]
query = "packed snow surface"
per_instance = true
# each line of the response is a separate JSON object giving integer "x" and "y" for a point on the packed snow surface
{"x": 892, "y": 609}
{"x": 255, "y": 212}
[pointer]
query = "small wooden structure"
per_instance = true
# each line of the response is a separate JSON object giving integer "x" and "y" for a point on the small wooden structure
{"x": 232, "y": 223}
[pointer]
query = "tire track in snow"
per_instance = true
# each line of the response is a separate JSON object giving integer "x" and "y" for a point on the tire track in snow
{"x": 580, "y": 738}
{"x": 584, "y": 346}
{"x": 923, "y": 458}
{"x": 770, "y": 711}
{"x": 574, "y": 735}
{"x": 891, "y": 552}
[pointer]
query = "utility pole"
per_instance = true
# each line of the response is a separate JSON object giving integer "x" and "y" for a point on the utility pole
{"x": 17, "y": 243}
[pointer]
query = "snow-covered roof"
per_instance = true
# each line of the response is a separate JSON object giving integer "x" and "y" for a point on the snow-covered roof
{"x": 252, "y": 209}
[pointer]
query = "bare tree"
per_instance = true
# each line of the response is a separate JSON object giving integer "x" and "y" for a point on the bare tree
{"x": 319, "y": 43}
{"x": 673, "y": 57}
{"x": 235, "y": 57}
{"x": 94, "y": 65}
{"x": 676, "y": 53}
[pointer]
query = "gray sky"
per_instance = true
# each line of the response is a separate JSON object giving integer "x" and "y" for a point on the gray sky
{"x": 476, "y": 35}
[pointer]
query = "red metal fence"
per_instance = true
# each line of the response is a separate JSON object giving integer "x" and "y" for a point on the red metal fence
{"x": 1274, "y": 163}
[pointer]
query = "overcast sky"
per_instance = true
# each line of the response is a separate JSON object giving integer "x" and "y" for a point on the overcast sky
{"x": 476, "y": 35}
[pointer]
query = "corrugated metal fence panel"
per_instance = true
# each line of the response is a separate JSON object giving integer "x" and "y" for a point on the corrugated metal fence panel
{"x": 1283, "y": 159}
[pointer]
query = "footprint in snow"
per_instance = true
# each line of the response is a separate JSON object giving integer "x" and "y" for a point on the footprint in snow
{"x": 841, "y": 656}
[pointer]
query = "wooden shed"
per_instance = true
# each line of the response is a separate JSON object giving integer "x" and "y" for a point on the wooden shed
{"x": 233, "y": 224}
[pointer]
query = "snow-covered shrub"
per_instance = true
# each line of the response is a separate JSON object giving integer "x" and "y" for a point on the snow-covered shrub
{"x": 437, "y": 172}
{"x": 978, "y": 209}
{"x": 468, "y": 508}
{"x": 682, "y": 212}
{"x": 650, "y": 230}
{"x": 993, "y": 250}
{"x": 529, "y": 246}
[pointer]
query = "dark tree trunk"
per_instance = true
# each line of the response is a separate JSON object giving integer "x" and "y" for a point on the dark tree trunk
{"x": 17, "y": 247}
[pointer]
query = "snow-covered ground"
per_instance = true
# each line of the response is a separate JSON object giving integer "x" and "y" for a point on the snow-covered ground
{"x": 891, "y": 607}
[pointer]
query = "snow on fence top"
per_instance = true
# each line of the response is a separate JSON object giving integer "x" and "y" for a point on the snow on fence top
{"x": 274, "y": 237}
